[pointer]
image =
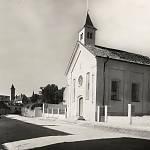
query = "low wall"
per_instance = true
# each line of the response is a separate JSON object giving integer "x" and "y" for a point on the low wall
{"x": 27, "y": 112}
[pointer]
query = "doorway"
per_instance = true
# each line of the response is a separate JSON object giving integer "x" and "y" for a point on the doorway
{"x": 81, "y": 107}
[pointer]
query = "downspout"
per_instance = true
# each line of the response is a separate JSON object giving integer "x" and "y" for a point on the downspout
{"x": 104, "y": 84}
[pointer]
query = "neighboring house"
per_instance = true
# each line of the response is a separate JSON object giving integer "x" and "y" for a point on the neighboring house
{"x": 5, "y": 98}
{"x": 99, "y": 76}
{"x": 18, "y": 99}
{"x": 4, "y": 101}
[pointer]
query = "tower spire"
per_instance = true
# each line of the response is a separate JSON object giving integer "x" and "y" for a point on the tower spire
{"x": 12, "y": 92}
{"x": 87, "y": 34}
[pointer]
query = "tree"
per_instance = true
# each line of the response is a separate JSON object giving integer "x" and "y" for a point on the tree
{"x": 25, "y": 99}
{"x": 59, "y": 95}
{"x": 34, "y": 98}
{"x": 48, "y": 93}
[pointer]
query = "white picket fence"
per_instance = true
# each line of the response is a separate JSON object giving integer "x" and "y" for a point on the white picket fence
{"x": 54, "y": 111}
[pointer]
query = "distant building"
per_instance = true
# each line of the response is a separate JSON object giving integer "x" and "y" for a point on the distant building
{"x": 4, "y": 102}
{"x": 12, "y": 93}
{"x": 4, "y": 98}
{"x": 18, "y": 99}
{"x": 99, "y": 76}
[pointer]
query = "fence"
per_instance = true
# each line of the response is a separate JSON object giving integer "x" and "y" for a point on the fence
{"x": 102, "y": 116}
{"x": 54, "y": 111}
{"x": 28, "y": 112}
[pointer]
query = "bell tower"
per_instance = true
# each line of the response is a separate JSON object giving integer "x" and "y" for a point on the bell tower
{"x": 87, "y": 33}
{"x": 12, "y": 93}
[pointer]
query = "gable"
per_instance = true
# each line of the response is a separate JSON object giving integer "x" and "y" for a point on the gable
{"x": 75, "y": 56}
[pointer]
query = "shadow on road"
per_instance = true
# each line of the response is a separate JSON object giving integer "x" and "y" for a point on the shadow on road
{"x": 102, "y": 144}
{"x": 2, "y": 147}
{"x": 14, "y": 130}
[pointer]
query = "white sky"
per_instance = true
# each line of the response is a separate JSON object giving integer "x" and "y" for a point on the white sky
{"x": 37, "y": 37}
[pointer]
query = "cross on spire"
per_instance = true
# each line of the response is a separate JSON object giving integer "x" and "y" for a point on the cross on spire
{"x": 87, "y": 5}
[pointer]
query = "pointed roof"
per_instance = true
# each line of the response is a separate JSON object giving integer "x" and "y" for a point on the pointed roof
{"x": 12, "y": 87}
{"x": 88, "y": 22}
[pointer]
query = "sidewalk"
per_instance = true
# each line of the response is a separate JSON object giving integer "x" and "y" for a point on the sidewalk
{"x": 137, "y": 128}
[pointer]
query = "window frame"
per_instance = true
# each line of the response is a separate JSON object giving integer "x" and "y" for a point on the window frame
{"x": 91, "y": 35}
{"x": 135, "y": 95}
{"x": 74, "y": 89}
{"x": 81, "y": 36}
{"x": 115, "y": 92}
{"x": 87, "y": 85}
{"x": 88, "y": 35}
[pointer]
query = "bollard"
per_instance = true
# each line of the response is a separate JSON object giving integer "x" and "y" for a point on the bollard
{"x": 106, "y": 113}
{"x": 129, "y": 114}
{"x": 98, "y": 111}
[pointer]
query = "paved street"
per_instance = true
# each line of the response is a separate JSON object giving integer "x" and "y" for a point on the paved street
{"x": 14, "y": 130}
{"x": 43, "y": 134}
{"x": 102, "y": 144}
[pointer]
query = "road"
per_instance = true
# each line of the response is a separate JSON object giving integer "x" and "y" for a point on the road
{"x": 14, "y": 130}
{"x": 55, "y": 135}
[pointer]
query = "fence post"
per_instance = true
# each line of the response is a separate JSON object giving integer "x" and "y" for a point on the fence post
{"x": 98, "y": 111}
{"x": 52, "y": 111}
{"x": 58, "y": 111}
{"x": 129, "y": 114}
{"x": 65, "y": 112}
{"x": 106, "y": 113}
{"x": 43, "y": 110}
{"x": 34, "y": 112}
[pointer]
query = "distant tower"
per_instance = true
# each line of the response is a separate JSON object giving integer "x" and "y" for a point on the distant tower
{"x": 12, "y": 93}
{"x": 87, "y": 33}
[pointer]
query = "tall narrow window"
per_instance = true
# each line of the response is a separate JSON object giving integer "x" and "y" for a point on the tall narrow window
{"x": 81, "y": 36}
{"x": 115, "y": 87}
{"x": 92, "y": 88}
{"x": 135, "y": 92}
{"x": 74, "y": 89}
{"x": 88, "y": 35}
{"x": 87, "y": 85}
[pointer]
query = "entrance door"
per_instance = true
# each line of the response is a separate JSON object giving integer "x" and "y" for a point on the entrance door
{"x": 81, "y": 107}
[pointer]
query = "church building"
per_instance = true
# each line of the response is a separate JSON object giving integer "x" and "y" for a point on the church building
{"x": 99, "y": 76}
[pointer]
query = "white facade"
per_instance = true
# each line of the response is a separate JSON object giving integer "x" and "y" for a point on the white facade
{"x": 77, "y": 82}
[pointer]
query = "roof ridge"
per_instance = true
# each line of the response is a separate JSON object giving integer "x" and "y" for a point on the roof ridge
{"x": 119, "y": 50}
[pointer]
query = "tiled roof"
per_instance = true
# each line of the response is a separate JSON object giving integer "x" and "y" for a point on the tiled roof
{"x": 118, "y": 54}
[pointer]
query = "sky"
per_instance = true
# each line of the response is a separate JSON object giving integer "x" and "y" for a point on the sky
{"x": 37, "y": 37}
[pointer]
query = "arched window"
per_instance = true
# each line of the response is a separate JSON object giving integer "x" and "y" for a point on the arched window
{"x": 74, "y": 89}
{"x": 81, "y": 36}
{"x": 88, "y": 35}
{"x": 87, "y": 85}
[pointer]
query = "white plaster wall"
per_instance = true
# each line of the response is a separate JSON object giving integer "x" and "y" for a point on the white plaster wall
{"x": 83, "y": 62}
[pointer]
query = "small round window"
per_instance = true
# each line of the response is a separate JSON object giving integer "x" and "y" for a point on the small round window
{"x": 80, "y": 80}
